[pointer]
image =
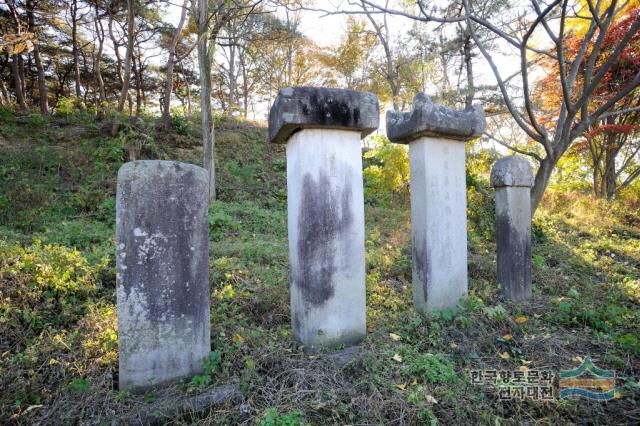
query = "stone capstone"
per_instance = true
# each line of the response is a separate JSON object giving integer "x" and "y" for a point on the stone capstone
{"x": 512, "y": 171}
{"x": 297, "y": 108}
{"x": 429, "y": 119}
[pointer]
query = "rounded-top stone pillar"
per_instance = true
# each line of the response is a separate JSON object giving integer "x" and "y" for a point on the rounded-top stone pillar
{"x": 162, "y": 272}
{"x": 513, "y": 178}
{"x": 436, "y": 136}
{"x": 323, "y": 129}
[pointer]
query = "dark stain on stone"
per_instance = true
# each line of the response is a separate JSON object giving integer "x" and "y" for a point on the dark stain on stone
{"x": 513, "y": 260}
{"x": 324, "y": 110}
{"x": 324, "y": 215}
{"x": 420, "y": 262}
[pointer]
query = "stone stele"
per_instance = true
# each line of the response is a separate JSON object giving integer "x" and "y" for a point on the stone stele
{"x": 513, "y": 178}
{"x": 162, "y": 272}
{"x": 436, "y": 136}
{"x": 323, "y": 130}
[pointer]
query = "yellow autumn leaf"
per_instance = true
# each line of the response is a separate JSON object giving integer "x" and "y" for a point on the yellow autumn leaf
{"x": 397, "y": 358}
{"x": 577, "y": 359}
{"x": 521, "y": 319}
{"x": 525, "y": 362}
{"x": 238, "y": 338}
{"x": 505, "y": 355}
{"x": 394, "y": 337}
{"x": 523, "y": 368}
{"x": 19, "y": 48}
{"x": 507, "y": 337}
{"x": 401, "y": 386}
{"x": 415, "y": 382}
{"x": 617, "y": 394}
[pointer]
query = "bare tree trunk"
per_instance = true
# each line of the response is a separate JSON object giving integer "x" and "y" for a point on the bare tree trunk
{"x": 137, "y": 73}
{"x": 74, "y": 41}
{"x": 468, "y": 62}
{"x": 609, "y": 178}
{"x": 383, "y": 38}
{"x": 187, "y": 84}
{"x": 541, "y": 181}
{"x": 116, "y": 48}
{"x": 102, "y": 96}
{"x": 168, "y": 85}
{"x": 17, "y": 83}
{"x": 23, "y": 80}
{"x": 126, "y": 78}
{"x": 42, "y": 86}
{"x": 204, "y": 65}
{"x": 245, "y": 87}
{"x": 233, "y": 80}
{"x": 4, "y": 94}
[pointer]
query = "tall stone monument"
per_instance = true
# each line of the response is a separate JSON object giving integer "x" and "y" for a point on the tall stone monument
{"x": 162, "y": 272}
{"x": 436, "y": 137}
{"x": 513, "y": 178}
{"x": 322, "y": 129}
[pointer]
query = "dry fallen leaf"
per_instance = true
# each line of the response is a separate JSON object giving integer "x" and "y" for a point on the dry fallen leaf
{"x": 505, "y": 355}
{"x": 401, "y": 386}
{"x": 523, "y": 368}
{"x": 507, "y": 337}
{"x": 238, "y": 338}
{"x": 577, "y": 359}
{"x": 453, "y": 345}
{"x": 415, "y": 382}
{"x": 521, "y": 319}
{"x": 431, "y": 399}
{"x": 397, "y": 358}
{"x": 394, "y": 337}
{"x": 525, "y": 362}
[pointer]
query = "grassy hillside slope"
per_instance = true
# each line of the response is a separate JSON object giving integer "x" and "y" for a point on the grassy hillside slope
{"x": 58, "y": 339}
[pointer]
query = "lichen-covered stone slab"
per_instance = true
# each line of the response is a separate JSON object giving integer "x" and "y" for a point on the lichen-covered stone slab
{"x": 429, "y": 119}
{"x": 298, "y": 108}
{"x": 512, "y": 171}
{"x": 162, "y": 272}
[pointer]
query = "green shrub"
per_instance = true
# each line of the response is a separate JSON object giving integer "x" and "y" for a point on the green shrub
{"x": 273, "y": 418}
{"x": 480, "y": 208}
{"x": 430, "y": 368}
{"x": 43, "y": 285}
{"x": 180, "y": 122}
{"x": 387, "y": 176}
{"x": 35, "y": 120}
{"x": 68, "y": 105}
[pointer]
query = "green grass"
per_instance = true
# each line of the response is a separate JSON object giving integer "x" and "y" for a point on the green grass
{"x": 58, "y": 337}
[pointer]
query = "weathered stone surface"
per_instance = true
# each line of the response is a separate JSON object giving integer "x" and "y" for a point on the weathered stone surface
{"x": 343, "y": 357}
{"x": 438, "y": 223}
{"x": 170, "y": 405}
{"x": 512, "y": 171}
{"x": 429, "y": 119}
{"x": 512, "y": 177}
{"x": 298, "y": 108}
{"x": 162, "y": 272}
{"x": 326, "y": 237}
